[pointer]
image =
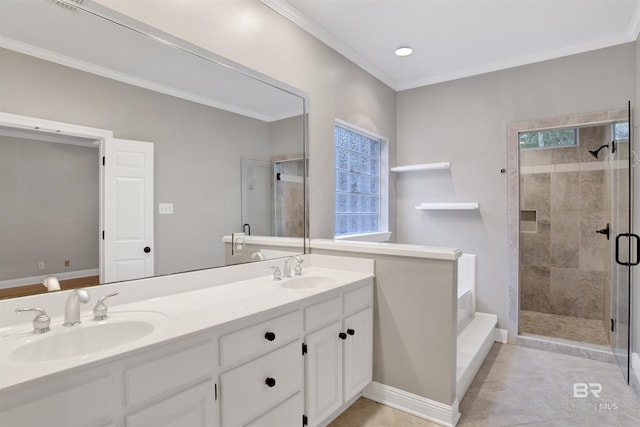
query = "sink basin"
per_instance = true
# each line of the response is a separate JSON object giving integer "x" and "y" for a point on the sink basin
{"x": 305, "y": 282}
{"x": 88, "y": 337}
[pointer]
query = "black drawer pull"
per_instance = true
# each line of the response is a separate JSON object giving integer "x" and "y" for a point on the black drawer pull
{"x": 270, "y": 382}
{"x": 270, "y": 336}
{"x": 342, "y": 336}
{"x": 351, "y": 331}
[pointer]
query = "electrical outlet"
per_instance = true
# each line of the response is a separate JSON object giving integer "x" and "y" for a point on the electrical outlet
{"x": 67, "y": 263}
{"x": 41, "y": 265}
{"x": 165, "y": 208}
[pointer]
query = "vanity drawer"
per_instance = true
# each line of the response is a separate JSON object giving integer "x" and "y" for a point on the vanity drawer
{"x": 322, "y": 313}
{"x": 169, "y": 372}
{"x": 358, "y": 299}
{"x": 245, "y": 393}
{"x": 260, "y": 338}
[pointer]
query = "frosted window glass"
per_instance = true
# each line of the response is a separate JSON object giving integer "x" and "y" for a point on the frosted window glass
{"x": 357, "y": 165}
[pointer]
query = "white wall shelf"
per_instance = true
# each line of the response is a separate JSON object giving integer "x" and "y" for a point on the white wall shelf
{"x": 449, "y": 206}
{"x": 422, "y": 167}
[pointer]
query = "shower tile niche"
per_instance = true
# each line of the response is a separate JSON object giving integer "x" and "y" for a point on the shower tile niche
{"x": 564, "y": 199}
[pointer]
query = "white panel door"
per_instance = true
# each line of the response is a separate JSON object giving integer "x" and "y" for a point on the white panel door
{"x": 127, "y": 210}
{"x": 324, "y": 373}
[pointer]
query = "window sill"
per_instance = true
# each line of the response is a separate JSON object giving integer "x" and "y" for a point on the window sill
{"x": 383, "y": 236}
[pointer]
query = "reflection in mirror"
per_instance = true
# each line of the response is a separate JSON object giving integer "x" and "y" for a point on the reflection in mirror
{"x": 204, "y": 122}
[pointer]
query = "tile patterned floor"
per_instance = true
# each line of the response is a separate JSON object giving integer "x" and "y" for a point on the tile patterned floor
{"x": 565, "y": 327}
{"x": 519, "y": 386}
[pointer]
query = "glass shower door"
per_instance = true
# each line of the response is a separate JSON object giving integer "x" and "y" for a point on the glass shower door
{"x": 624, "y": 246}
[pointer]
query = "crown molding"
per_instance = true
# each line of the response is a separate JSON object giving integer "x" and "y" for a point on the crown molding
{"x": 292, "y": 14}
{"x": 285, "y": 9}
{"x": 519, "y": 61}
{"x": 66, "y": 61}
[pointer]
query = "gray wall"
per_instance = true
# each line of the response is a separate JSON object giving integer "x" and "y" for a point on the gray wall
{"x": 197, "y": 149}
{"x": 414, "y": 324}
{"x": 49, "y": 207}
{"x": 465, "y": 122}
{"x": 250, "y": 33}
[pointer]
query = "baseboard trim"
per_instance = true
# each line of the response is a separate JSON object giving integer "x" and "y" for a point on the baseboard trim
{"x": 10, "y": 283}
{"x": 413, "y": 404}
{"x": 502, "y": 335}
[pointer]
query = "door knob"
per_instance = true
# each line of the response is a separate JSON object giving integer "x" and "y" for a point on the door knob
{"x": 270, "y": 382}
{"x": 351, "y": 331}
{"x": 147, "y": 249}
{"x": 342, "y": 336}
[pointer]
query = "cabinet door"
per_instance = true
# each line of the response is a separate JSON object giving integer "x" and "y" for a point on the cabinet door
{"x": 195, "y": 407}
{"x": 358, "y": 352}
{"x": 324, "y": 372}
{"x": 287, "y": 414}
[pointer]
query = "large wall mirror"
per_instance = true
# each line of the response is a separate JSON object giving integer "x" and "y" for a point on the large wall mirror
{"x": 227, "y": 151}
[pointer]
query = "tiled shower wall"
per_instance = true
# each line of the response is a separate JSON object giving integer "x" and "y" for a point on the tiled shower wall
{"x": 289, "y": 196}
{"x": 564, "y": 199}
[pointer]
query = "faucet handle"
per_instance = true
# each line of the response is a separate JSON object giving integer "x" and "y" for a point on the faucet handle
{"x": 298, "y": 269}
{"x": 100, "y": 310}
{"x": 277, "y": 275}
{"x": 41, "y": 322}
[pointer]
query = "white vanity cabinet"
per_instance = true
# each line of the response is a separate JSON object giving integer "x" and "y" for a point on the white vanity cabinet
{"x": 171, "y": 385}
{"x": 262, "y": 369}
{"x": 339, "y": 347}
{"x": 289, "y": 366}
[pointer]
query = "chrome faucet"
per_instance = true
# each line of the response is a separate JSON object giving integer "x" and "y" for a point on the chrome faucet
{"x": 72, "y": 307}
{"x": 286, "y": 271}
{"x": 100, "y": 310}
{"x": 41, "y": 322}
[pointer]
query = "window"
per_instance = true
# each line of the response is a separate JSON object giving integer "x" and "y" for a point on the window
{"x": 548, "y": 138}
{"x": 361, "y": 176}
{"x": 621, "y": 131}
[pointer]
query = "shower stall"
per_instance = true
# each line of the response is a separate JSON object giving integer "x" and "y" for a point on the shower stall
{"x": 565, "y": 268}
{"x": 272, "y": 195}
{"x": 570, "y": 235}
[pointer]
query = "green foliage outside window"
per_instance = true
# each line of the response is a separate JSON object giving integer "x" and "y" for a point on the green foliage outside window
{"x": 548, "y": 138}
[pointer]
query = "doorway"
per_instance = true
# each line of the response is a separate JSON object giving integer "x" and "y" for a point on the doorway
{"x": 569, "y": 201}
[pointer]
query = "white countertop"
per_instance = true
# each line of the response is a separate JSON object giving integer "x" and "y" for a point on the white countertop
{"x": 187, "y": 313}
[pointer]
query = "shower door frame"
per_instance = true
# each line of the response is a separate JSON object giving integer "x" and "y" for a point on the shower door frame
{"x": 513, "y": 195}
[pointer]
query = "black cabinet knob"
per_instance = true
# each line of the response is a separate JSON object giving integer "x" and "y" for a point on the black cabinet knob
{"x": 342, "y": 336}
{"x": 351, "y": 331}
{"x": 270, "y": 336}
{"x": 147, "y": 249}
{"x": 270, "y": 382}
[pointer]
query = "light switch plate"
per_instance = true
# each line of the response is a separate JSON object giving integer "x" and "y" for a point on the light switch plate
{"x": 165, "y": 208}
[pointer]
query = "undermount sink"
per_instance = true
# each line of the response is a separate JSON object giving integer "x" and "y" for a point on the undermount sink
{"x": 305, "y": 282}
{"x": 88, "y": 337}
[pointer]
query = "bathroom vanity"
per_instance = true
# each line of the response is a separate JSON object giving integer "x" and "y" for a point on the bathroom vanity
{"x": 248, "y": 352}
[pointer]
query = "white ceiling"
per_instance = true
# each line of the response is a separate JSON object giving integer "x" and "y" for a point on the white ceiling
{"x": 452, "y": 39}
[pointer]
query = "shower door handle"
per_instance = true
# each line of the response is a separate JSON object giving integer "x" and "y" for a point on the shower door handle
{"x": 631, "y": 236}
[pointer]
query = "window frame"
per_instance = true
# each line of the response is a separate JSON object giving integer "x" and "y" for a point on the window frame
{"x": 383, "y": 234}
{"x": 576, "y": 138}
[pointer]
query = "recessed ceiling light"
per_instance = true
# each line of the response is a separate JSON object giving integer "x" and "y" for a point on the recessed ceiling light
{"x": 404, "y": 51}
